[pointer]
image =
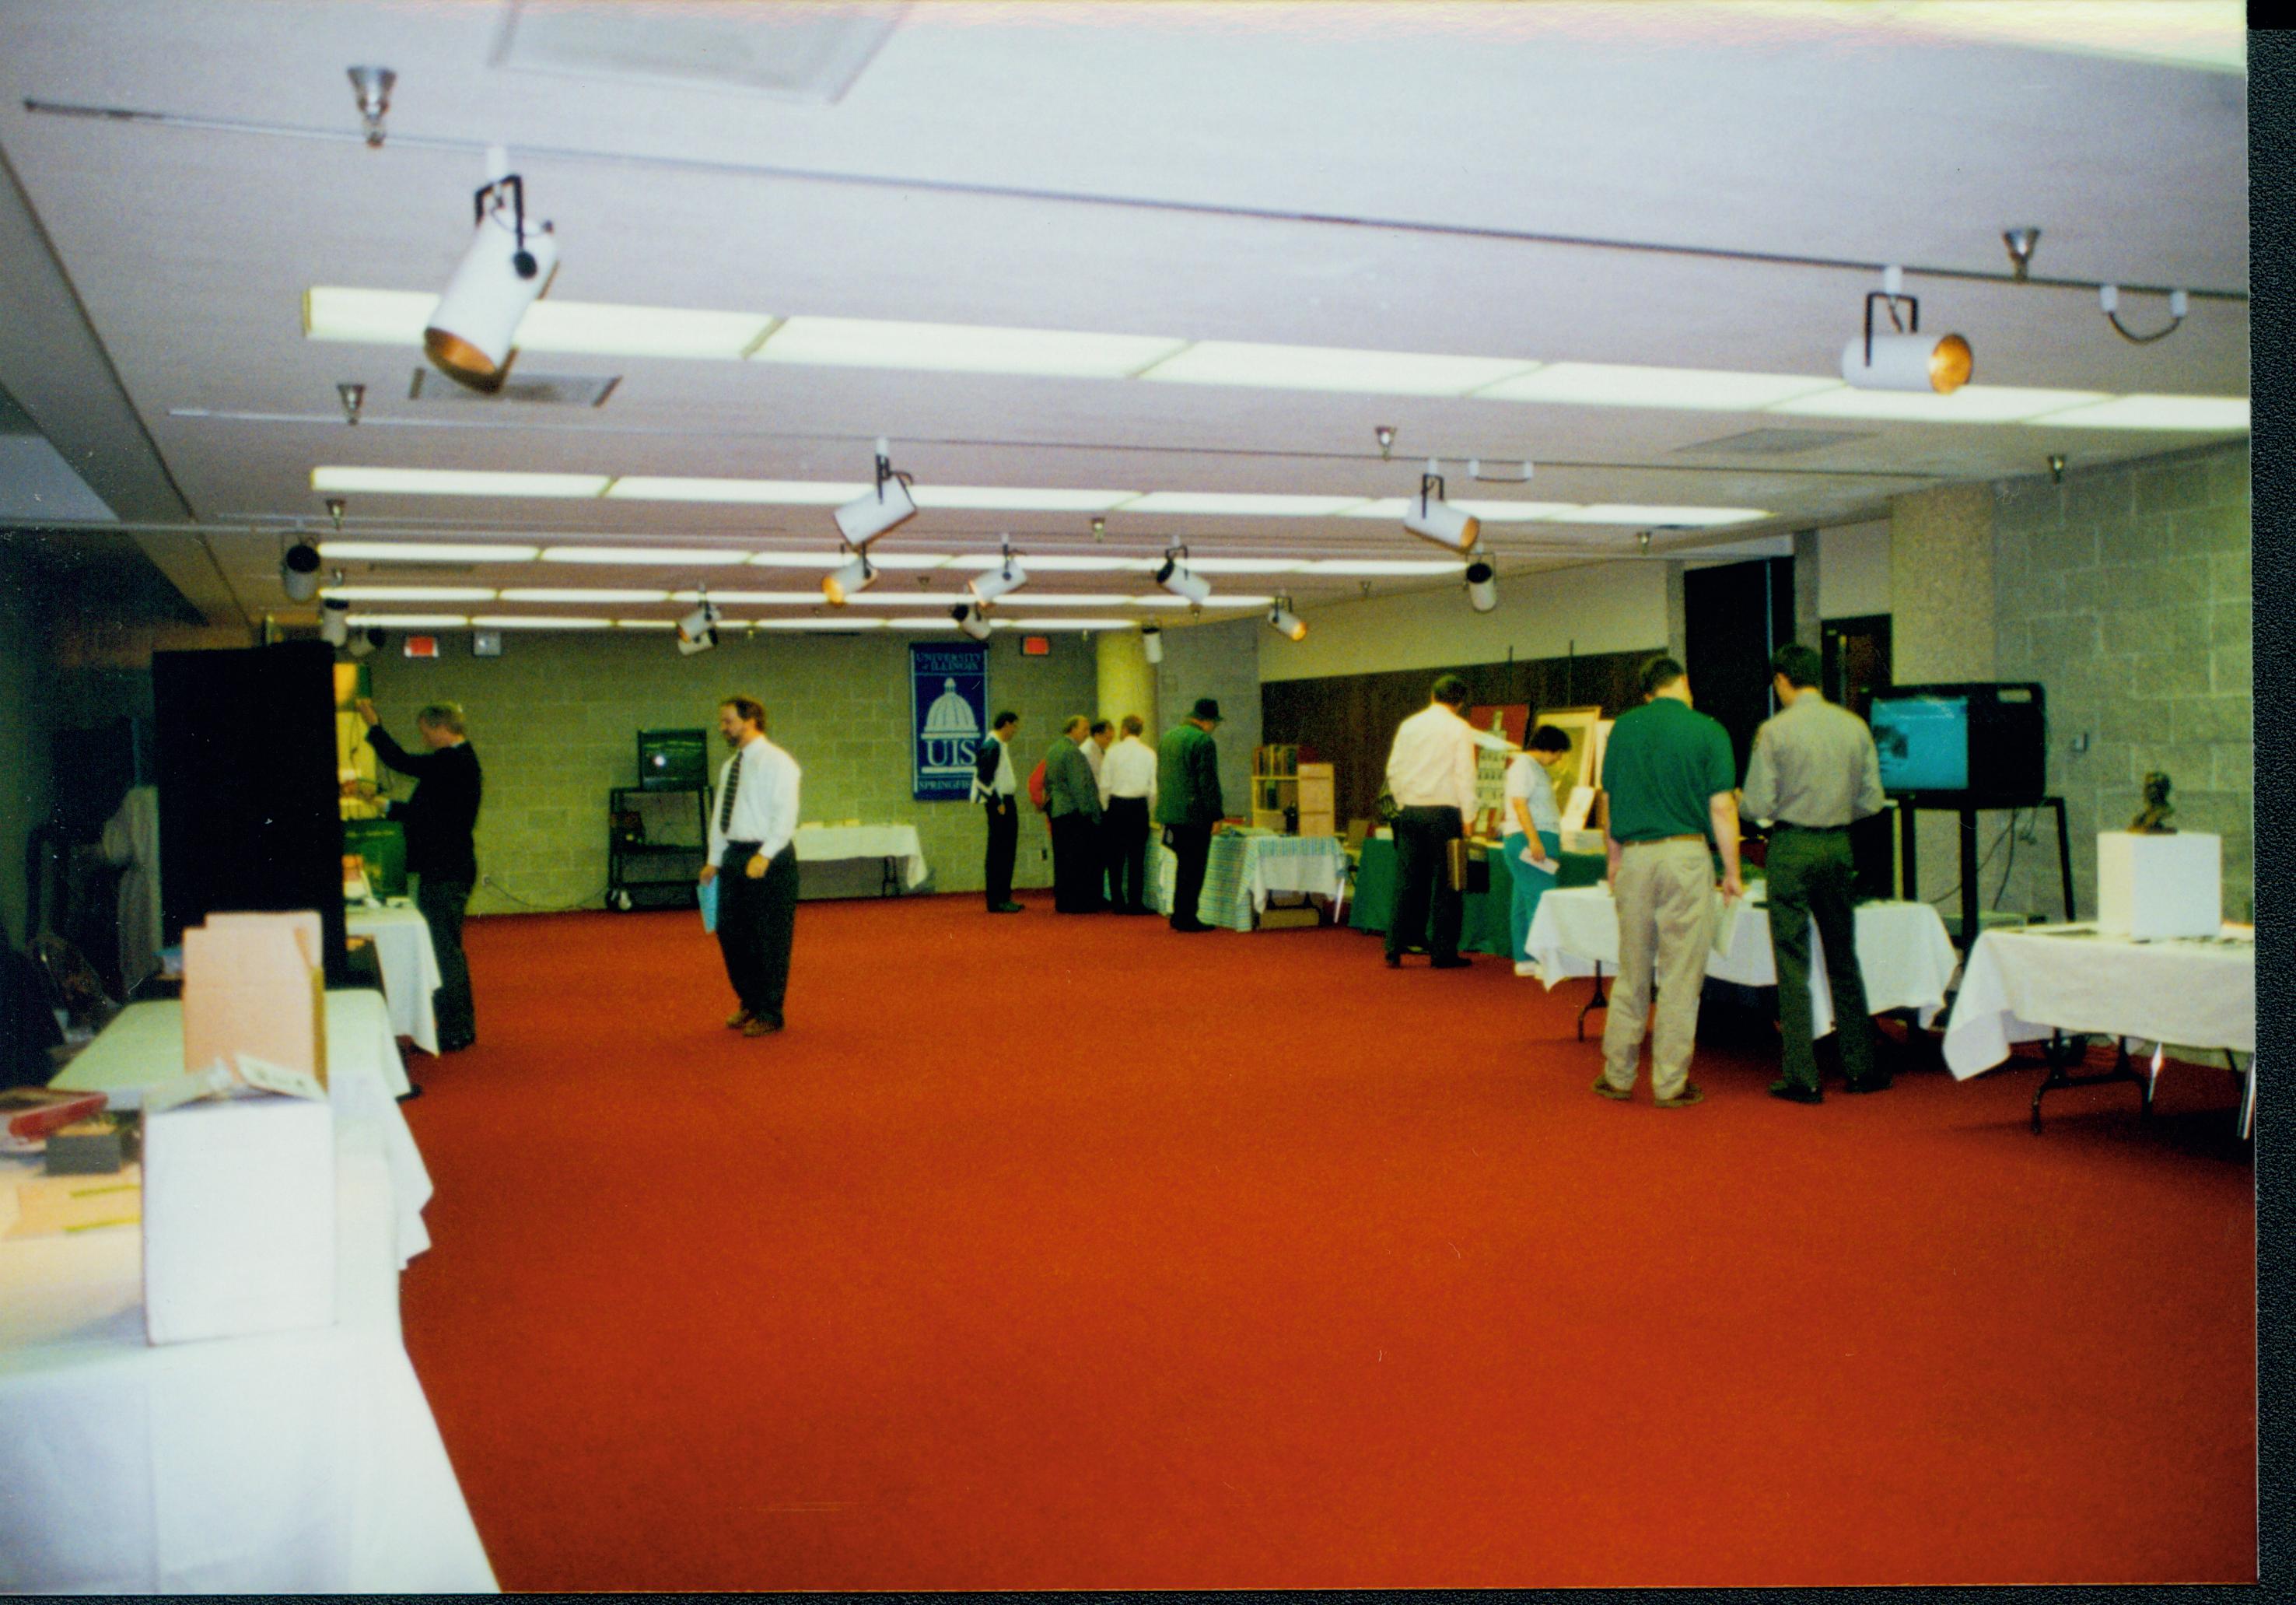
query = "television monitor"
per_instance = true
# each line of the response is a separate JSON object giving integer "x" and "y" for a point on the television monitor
{"x": 1975, "y": 745}
{"x": 673, "y": 759}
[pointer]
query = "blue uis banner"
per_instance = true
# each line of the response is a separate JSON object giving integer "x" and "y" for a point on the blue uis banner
{"x": 948, "y": 711}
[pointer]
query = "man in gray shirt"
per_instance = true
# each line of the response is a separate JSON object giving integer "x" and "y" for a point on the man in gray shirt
{"x": 1813, "y": 772}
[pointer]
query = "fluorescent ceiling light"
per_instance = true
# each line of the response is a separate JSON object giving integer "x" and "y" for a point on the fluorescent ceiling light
{"x": 908, "y": 561}
{"x": 1072, "y": 623}
{"x": 1059, "y": 566}
{"x": 944, "y": 600}
{"x": 805, "y": 599}
{"x": 410, "y": 593}
{"x": 645, "y": 557}
{"x": 361, "y": 620}
{"x": 1385, "y": 565}
{"x": 1490, "y": 511}
{"x": 1971, "y": 404}
{"x": 538, "y": 622}
{"x": 1216, "y": 599}
{"x": 799, "y": 560}
{"x": 645, "y": 623}
{"x": 1039, "y": 598}
{"x": 599, "y": 598}
{"x": 854, "y": 622}
{"x": 2208, "y": 412}
{"x": 962, "y": 348}
{"x": 1637, "y": 513}
{"x": 336, "y": 312}
{"x": 422, "y": 551}
{"x": 1213, "y": 502}
{"x": 1235, "y": 565}
{"x": 456, "y": 481}
{"x": 1017, "y": 499}
{"x": 1624, "y": 384}
{"x": 942, "y": 622}
{"x": 783, "y": 493}
{"x": 1333, "y": 369}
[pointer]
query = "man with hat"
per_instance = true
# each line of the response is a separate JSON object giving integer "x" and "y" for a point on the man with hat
{"x": 1189, "y": 806}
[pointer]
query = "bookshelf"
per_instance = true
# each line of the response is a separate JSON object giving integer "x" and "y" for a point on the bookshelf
{"x": 1289, "y": 797}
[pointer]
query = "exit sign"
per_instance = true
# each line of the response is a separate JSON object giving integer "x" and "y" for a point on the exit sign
{"x": 1036, "y": 645}
{"x": 423, "y": 646}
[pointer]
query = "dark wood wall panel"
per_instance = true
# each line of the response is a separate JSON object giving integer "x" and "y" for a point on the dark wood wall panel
{"x": 1351, "y": 719}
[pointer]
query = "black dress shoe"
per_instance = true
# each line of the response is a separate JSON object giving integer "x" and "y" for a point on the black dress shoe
{"x": 1006, "y": 907}
{"x": 1394, "y": 961}
{"x": 1794, "y": 1092}
{"x": 1452, "y": 962}
{"x": 1872, "y": 1083}
{"x": 1193, "y": 926}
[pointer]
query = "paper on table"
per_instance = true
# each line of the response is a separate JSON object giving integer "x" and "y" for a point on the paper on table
{"x": 49, "y": 1205}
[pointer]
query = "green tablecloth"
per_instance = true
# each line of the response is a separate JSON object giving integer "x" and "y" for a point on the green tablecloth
{"x": 1482, "y": 922}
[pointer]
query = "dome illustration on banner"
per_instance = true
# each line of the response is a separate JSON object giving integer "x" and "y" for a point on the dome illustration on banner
{"x": 950, "y": 714}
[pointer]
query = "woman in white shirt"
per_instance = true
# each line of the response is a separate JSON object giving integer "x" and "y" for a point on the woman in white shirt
{"x": 1534, "y": 826}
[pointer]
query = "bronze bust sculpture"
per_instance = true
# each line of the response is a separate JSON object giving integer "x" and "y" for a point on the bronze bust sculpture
{"x": 2152, "y": 819}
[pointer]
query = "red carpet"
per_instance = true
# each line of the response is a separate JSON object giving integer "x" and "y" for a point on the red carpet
{"x": 1047, "y": 1252}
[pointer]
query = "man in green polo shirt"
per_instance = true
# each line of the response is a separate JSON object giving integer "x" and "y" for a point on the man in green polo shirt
{"x": 1668, "y": 781}
{"x": 1189, "y": 806}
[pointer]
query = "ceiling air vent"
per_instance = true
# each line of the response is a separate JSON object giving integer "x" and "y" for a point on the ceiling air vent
{"x": 811, "y": 52}
{"x": 527, "y": 389}
{"x": 1774, "y": 442}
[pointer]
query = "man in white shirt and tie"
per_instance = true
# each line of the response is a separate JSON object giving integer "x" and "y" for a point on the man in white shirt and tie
{"x": 1430, "y": 773}
{"x": 1128, "y": 796}
{"x": 997, "y": 785}
{"x": 753, "y": 860}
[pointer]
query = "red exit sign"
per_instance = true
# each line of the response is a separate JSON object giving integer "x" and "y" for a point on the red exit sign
{"x": 1036, "y": 645}
{"x": 423, "y": 646}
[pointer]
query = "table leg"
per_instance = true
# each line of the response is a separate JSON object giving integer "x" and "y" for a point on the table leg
{"x": 2063, "y": 1052}
{"x": 1596, "y": 999}
{"x": 2247, "y": 1092}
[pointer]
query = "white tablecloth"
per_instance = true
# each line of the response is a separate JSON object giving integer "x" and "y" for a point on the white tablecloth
{"x": 410, "y": 968}
{"x": 284, "y": 1462}
{"x": 145, "y": 1046}
{"x": 1241, "y": 869}
{"x": 818, "y": 843}
{"x": 2021, "y": 986}
{"x": 1904, "y": 955}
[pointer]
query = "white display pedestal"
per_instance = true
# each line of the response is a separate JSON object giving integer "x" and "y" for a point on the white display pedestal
{"x": 2151, "y": 886}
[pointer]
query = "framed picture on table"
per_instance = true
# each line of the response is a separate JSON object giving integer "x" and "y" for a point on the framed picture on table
{"x": 1579, "y": 767}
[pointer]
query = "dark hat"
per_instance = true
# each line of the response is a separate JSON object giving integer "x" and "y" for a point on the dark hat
{"x": 1206, "y": 708}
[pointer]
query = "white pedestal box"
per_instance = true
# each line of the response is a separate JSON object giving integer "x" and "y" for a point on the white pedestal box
{"x": 2160, "y": 885}
{"x": 239, "y": 1217}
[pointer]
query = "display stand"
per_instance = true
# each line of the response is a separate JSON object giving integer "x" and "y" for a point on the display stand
{"x": 657, "y": 842}
{"x": 1909, "y": 880}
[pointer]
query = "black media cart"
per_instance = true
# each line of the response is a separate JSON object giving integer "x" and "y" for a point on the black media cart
{"x": 657, "y": 841}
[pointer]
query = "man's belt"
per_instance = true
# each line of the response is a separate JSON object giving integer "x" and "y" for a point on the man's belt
{"x": 1654, "y": 841}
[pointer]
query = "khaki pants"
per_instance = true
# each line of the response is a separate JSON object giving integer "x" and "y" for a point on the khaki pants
{"x": 1667, "y": 907}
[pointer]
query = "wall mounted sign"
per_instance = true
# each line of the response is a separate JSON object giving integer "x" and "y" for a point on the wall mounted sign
{"x": 948, "y": 713}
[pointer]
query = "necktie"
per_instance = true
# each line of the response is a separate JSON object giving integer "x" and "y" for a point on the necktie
{"x": 733, "y": 785}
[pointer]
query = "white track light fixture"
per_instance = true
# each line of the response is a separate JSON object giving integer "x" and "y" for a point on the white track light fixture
{"x": 997, "y": 582}
{"x": 1176, "y": 577}
{"x": 697, "y": 631}
{"x": 1432, "y": 518}
{"x": 364, "y": 642}
{"x": 335, "y": 622}
{"x": 1482, "y": 581}
{"x": 970, "y": 620}
{"x": 1286, "y": 623}
{"x": 1907, "y": 359}
{"x": 353, "y": 396}
{"x": 299, "y": 572}
{"x": 373, "y": 85}
{"x": 504, "y": 271}
{"x": 841, "y": 585}
{"x": 1151, "y": 641}
{"x": 864, "y": 518}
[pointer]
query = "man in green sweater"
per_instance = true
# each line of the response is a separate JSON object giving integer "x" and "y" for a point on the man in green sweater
{"x": 1189, "y": 806}
{"x": 1668, "y": 782}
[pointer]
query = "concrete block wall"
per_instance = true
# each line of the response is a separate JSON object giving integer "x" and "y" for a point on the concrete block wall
{"x": 1222, "y": 661}
{"x": 2126, "y": 591}
{"x": 556, "y": 720}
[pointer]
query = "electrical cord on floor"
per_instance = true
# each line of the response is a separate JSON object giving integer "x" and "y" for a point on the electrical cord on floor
{"x": 597, "y": 899}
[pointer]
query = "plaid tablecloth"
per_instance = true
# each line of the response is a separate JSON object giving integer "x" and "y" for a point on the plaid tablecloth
{"x": 1243, "y": 869}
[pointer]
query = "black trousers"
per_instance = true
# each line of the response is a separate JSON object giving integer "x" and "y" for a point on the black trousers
{"x": 1076, "y": 863}
{"x": 757, "y": 920}
{"x": 441, "y": 902}
{"x": 1810, "y": 875}
{"x": 1192, "y": 846}
{"x": 1125, "y": 831}
{"x": 1003, "y": 818}
{"x": 1423, "y": 839}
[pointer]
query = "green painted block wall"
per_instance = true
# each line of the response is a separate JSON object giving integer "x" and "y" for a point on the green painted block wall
{"x": 556, "y": 721}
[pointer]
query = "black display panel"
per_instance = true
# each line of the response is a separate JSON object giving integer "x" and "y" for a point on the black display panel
{"x": 1963, "y": 745}
{"x": 249, "y": 814}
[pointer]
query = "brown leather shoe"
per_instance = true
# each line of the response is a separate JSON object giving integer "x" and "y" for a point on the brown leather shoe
{"x": 739, "y": 1019}
{"x": 755, "y": 1027}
